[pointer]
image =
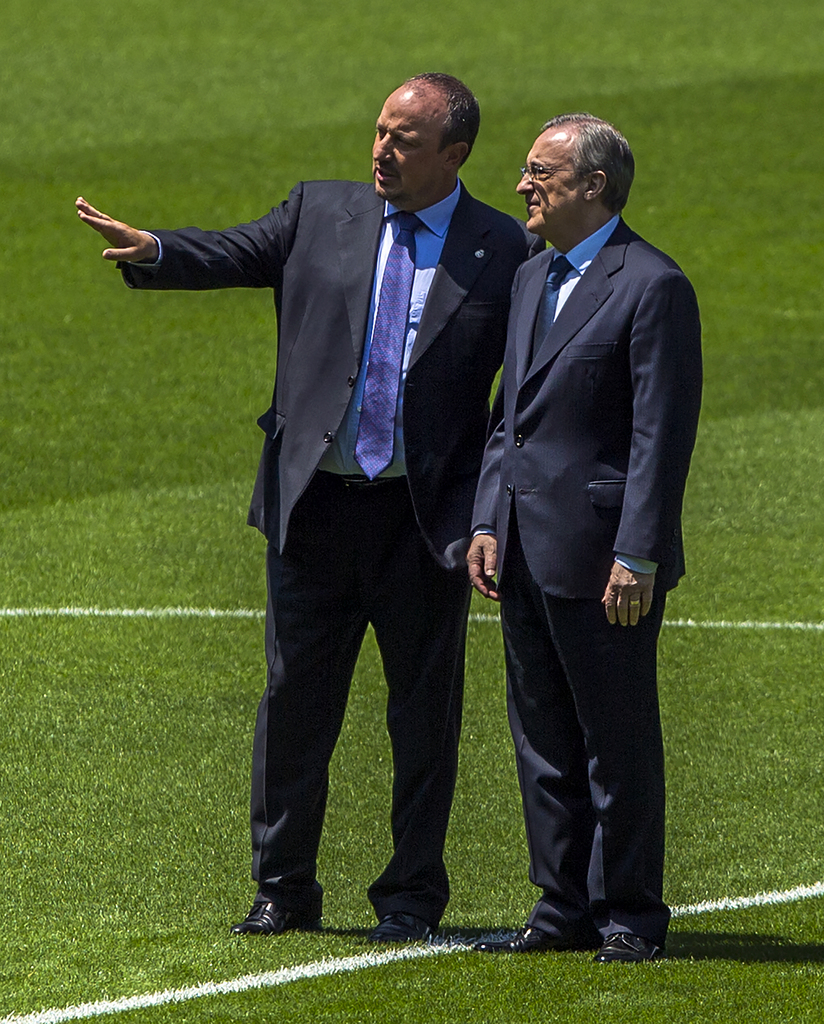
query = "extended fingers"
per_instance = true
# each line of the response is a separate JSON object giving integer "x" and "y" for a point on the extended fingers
{"x": 125, "y": 242}
{"x": 87, "y": 212}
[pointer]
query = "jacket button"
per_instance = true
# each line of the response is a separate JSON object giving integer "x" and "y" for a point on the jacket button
{"x": 509, "y": 490}
{"x": 351, "y": 382}
{"x": 328, "y": 437}
{"x": 519, "y": 440}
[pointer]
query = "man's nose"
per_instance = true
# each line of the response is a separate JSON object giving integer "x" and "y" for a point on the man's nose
{"x": 382, "y": 148}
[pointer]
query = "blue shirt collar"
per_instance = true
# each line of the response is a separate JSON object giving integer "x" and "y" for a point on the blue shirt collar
{"x": 585, "y": 252}
{"x": 436, "y": 217}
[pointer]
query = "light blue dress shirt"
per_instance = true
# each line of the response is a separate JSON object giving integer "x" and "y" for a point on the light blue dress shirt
{"x": 580, "y": 257}
{"x": 429, "y": 240}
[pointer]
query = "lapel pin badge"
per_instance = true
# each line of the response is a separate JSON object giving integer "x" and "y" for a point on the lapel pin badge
{"x": 479, "y": 253}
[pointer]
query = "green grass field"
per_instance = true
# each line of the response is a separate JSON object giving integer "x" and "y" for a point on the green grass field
{"x": 128, "y": 445}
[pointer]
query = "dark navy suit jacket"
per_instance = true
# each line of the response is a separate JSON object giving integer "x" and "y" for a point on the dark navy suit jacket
{"x": 317, "y": 251}
{"x": 591, "y": 440}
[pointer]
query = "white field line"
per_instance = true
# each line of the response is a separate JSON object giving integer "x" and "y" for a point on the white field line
{"x": 324, "y": 968}
{"x": 250, "y": 613}
{"x": 761, "y": 899}
{"x": 132, "y": 613}
{"x": 269, "y": 979}
{"x": 815, "y": 627}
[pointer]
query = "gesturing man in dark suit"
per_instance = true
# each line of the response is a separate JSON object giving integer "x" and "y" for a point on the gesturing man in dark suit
{"x": 578, "y": 510}
{"x": 392, "y": 301}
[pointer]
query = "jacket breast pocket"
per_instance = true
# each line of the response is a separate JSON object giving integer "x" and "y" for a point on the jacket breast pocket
{"x": 588, "y": 350}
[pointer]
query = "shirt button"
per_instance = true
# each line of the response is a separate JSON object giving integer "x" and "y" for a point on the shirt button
{"x": 519, "y": 440}
{"x": 328, "y": 437}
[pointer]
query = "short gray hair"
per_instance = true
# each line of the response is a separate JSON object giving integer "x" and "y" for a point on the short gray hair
{"x": 599, "y": 146}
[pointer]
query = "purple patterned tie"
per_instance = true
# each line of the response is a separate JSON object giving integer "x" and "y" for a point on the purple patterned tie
{"x": 376, "y": 430}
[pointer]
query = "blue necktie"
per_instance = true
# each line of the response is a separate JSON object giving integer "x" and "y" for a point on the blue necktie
{"x": 376, "y": 430}
{"x": 558, "y": 270}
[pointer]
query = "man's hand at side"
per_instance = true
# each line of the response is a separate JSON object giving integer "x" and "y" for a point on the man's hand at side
{"x": 628, "y": 595}
{"x": 482, "y": 559}
{"x": 128, "y": 244}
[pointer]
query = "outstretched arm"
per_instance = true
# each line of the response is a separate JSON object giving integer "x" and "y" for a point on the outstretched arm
{"x": 128, "y": 244}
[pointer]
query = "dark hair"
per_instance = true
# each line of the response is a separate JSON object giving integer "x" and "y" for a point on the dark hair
{"x": 463, "y": 115}
{"x": 599, "y": 146}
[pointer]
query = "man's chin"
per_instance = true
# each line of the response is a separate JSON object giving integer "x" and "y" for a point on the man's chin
{"x": 387, "y": 189}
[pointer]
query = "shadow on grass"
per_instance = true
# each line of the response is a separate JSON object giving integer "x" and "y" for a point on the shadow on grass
{"x": 747, "y": 948}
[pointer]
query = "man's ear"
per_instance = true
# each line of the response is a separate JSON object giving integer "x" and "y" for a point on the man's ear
{"x": 594, "y": 185}
{"x": 456, "y": 153}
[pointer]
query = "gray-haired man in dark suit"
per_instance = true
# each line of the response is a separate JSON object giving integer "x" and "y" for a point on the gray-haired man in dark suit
{"x": 579, "y": 512}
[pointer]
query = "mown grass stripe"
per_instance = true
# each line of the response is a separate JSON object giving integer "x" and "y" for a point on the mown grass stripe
{"x": 324, "y": 968}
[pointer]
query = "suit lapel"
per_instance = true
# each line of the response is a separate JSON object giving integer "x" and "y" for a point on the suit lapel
{"x": 526, "y": 312}
{"x": 591, "y": 292}
{"x": 359, "y": 232}
{"x": 466, "y": 251}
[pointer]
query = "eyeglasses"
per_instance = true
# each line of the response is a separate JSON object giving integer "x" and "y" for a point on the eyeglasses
{"x": 538, "y": 173}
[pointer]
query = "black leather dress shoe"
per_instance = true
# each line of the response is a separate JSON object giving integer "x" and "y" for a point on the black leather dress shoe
{"x": 267, "y": 919}
{"x": 399, "y": 927}
{"x": 622, "y": 947}
{"x": 534, "y": 940}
